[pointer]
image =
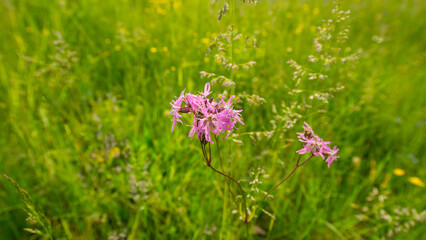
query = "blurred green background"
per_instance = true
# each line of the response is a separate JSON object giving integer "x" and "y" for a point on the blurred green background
{"x": 85, "y": 88}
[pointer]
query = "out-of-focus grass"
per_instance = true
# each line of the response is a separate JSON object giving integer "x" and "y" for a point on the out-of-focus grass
{"x": 65, "y": 106}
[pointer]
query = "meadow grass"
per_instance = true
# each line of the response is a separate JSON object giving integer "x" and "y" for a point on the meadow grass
{"x": 85, "y": 88}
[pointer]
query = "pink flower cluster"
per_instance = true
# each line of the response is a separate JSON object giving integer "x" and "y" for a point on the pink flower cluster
{"x": 209, "y": 116}
{"x": 314, "y": 144}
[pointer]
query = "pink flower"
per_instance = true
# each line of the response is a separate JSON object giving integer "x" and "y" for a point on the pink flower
{"x": 193, "y": 102}
{"x": 206, "y": 90}
{"x": 307, "y": 134}
{"x": 210, "y": 117}
{"x": 176, "y": 108}
{"x": 319, "y": 147}
{"x": 314, "y": 144}
{"x": 331, "y": 155}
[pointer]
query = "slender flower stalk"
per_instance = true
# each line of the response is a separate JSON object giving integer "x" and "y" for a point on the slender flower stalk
{"x": 282, "y": 181}
{"x": 208, "y": 158}
{"x": 223, "y": 170}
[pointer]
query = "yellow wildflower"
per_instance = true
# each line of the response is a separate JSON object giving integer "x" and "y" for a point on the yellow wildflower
{"x": 107, "y": 41}
{"x": 206, "y": 41}
{"x": 94, "y": 155}
{"x": 316, "y": 11}
{"x": 122, "y": 31}
{"x": 45, "y": 32}
{"x": 299, "y": 29}
{"x": 101, "y": 159}
{"x": 416, "y": 181}
{"x": 153, "y": 50}
{"x": 305, "y": 8}
{"x": 117, "y": 47}
{"x": 115, "y": 151}
{"x": 398, "y": 172}
{"x": 161, "y": 11}
{"x": 177, "y": 4}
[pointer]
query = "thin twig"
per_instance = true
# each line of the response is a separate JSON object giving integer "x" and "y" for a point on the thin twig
{"x": 245, "y": 220}
{"x": 294, "y": 169}
{"x": 223, "y": 170}
{"x": 241, "y": 189}
{"x": 297, "y": 164}
{"x": 305, "y": 161}
{"x": 210, "y": 153}
{"x": 204, "y": 152}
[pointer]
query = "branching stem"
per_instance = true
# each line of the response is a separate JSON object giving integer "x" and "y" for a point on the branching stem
{"x": 208, "y": 160}
{"x": 223, "y": 170}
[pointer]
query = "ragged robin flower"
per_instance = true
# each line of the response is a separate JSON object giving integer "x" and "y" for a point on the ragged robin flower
{"x": 317, "y": 146}
{"x": 208, "y": 116}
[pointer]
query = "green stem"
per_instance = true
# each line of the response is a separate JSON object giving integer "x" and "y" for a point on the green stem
{"x": 204, "y": 153}
{"x": 241, "y": 189}
{"x": 210, "y": 154}
{"x": 247, "y": 230}
{"x": 245, "y": 219}
{"x": 232, "y": 46}
{"x": 223, "y": 170}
